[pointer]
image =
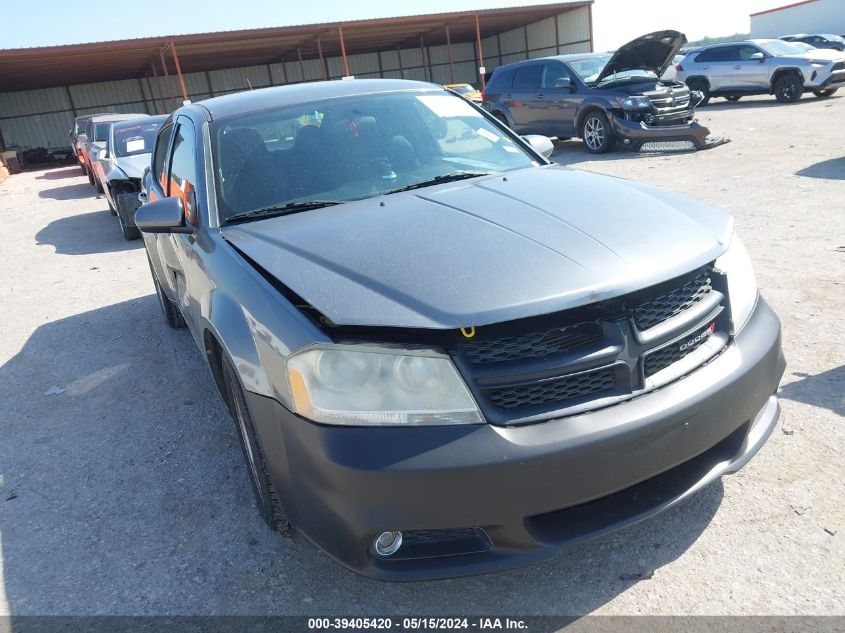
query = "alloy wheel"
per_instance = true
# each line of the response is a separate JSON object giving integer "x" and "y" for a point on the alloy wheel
{"x": 594, "y": 133}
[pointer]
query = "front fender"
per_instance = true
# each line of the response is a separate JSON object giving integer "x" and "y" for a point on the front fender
{"x": 591, "y": 104}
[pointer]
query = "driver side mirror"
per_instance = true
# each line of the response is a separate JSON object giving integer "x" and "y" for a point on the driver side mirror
{"x": 758, "y": 56}
{"x": 563, "y": 83}
{"x": 166, "y": 215}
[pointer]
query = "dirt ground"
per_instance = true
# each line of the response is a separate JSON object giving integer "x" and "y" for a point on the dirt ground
{"x": 125, "y": 493}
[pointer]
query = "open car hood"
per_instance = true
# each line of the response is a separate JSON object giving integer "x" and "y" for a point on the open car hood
{"x": 484, "y": 250}
{"x": 653, "y": 52}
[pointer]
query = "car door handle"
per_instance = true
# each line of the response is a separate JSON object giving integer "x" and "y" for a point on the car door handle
{"x": 737, "y": 67}
{"x": 540, "y": 96}
{"x": 508, "y": 97}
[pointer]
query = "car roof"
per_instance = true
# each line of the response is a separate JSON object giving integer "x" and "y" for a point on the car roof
{"x": 101, "y": 118}
{"x": 252, "y": 100}
{"x": 569, "y": 57}
{"x": 157, "y": 118}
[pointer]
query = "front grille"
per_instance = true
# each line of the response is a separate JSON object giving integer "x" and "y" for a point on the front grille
{"x": 663, "y": 357}
{"x": 667, "y": 146}
{"x": 556, "y": 390}
{"x": 670, "y": 99}
{"x": 574, "y": 361}
{"x": 672, "y": 303}
{"x": 533, "y": 345}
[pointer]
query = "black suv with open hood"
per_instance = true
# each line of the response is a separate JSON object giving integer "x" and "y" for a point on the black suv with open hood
{"x": 603, "y": 98}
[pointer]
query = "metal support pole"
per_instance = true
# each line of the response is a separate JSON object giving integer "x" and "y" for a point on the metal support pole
{"x": 158, "y": 103}
{"x": 480, "y": 50}
{"x": 283, "y": 64}
{"x": 449, "y": 47}
{"x": 143, "y": 96}
{"x": 167, "y": 83}
{"x": 323, "y": 64}
{"x": 590, "y": 15}
{"x": 426, "y": 65}
{"x": 179, "y": 70}
{"x": 525, "y": 34}
{"x": 399, "y": 56}
{"x": 301, "y": 65}
{"x": 343, "y": 51}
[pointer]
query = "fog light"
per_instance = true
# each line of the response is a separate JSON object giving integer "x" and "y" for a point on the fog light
{"x": 387, "y": 543}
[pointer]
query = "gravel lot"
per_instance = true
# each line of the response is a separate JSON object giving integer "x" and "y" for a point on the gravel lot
{"x": 126, "y": 493}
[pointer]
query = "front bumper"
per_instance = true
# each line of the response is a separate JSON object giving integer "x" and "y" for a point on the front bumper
{"x": 639, "y": 136}
{"x": 534, "y": 490}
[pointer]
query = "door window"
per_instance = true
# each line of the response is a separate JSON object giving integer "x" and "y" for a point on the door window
{"x": 746, "y": 51}
{"x": 160, "y": 157}
{"x": 551, "y": 73}
{"x": 183, "y": 170}
{"x": 527, "y": 77}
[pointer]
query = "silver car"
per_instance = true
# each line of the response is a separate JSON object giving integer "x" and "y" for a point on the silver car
{"x": 735, "y": 69}
{"x": 96, "y": 137}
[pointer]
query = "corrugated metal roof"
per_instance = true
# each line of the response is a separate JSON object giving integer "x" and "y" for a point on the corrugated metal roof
{"x": 44, "y": 67}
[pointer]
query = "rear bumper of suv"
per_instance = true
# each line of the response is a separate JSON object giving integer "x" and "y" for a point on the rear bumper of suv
{"x": 481, "y": 498}
{"x": 639, "y": 136}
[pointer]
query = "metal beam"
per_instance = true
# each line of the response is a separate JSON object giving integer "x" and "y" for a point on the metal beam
{"x": 323, "y": 63}
{"x": 343, "y": 50}
{"x": 426, "y": 66}
{"x": 449, "y": 46}
{"x": 480, "y": 50}
{"x": 179, "y": 71}
{"x": 301, "y": 65}
{"x": 167, "y": 75}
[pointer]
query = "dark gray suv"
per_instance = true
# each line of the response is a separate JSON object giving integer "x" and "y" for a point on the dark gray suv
{"x": 443, "y": 354}
{"x": 605, "y": 99}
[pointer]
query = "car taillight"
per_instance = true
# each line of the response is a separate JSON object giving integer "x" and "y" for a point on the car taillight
{"x": 484, "y": 95}
{"x": 679, "y": 68}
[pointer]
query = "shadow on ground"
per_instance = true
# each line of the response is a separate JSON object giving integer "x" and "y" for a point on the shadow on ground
{"x": 826, "y": 390}
{"x": 832, "y": 169}
{"x": 718, "y": 103}
{"x": 69, "y": 192}
{"x": 60, "y": 174}
{"x": 86, "y": 233}
{"x": 128, "y": 494}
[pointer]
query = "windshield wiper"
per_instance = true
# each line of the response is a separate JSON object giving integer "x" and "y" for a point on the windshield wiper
{"x": 450, "y": 177}
{"x": 281, "y": 209}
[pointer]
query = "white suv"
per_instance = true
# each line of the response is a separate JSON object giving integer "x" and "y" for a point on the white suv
{"x": 734, "y": 69}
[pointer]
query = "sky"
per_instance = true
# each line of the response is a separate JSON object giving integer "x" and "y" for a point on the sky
{"x": 52, "y": 22}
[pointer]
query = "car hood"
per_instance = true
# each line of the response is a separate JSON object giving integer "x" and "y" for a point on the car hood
{"x": 653, "y": 52}
{"x": 134, "y": 166}
{"x": 484, "y": 250}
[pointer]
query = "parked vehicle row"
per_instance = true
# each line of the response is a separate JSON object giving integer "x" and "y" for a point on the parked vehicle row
{"x": 114, "y": 150}
{"x": 444, "y": 354}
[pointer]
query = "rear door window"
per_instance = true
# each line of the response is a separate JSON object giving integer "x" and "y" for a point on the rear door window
{"x": 502, "y": 80}
{"x": 527, "y": 78}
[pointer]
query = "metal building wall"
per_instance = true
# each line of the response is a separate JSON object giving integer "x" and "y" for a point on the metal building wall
{"x": 42, "y": 118}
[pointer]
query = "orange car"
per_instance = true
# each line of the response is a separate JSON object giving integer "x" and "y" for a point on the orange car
{"x": 466, "y": 90}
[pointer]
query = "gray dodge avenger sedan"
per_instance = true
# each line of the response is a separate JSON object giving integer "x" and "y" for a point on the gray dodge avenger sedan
{"x": 445, "y": 355}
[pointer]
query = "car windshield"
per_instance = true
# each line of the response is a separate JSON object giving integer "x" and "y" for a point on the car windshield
{"x": 779, "y": 47}
{"x": 350, "y": 148}
{"x": 101, "y": 131}
{"x": 135, "y": 139}
{"x": 588, "y": 69}
{"x": 833, "y": 38}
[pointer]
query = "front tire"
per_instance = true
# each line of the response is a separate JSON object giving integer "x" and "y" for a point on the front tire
{"x": 129, "y": 232}
{"x": 596, "y": 132}
{"x": 90, "y": 175}
{"x": 824, "y": 94}
{"x": 733, "y": 98}
{"x": 265, "y": 494}
{"x": 501, "y": 118}
{"x": 788, "y": 88}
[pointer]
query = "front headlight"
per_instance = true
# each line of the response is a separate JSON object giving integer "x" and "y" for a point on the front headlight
{"x": 378, "y": 387}
{"x": 742, "y": 286}
{"x": 633, "y": 103}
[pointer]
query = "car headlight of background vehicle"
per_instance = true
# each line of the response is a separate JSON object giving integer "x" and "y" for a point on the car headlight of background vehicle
{"x": 742, "y": 286}
{"x": 378, "y": 387}
{"x": 636, "y": 102}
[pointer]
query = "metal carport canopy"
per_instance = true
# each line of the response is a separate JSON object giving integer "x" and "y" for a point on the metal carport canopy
{"x": 50, "y": 66}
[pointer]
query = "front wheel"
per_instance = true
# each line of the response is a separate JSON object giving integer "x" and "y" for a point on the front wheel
{"x": 788, "y": 88}
{"x": 265, "y": 494}
{"x": 596, "y": 133}
{"x": 823, "y": 94}
{"x": 84, "y": 171}
{"x": 733, "y": 98}
{"x": 90, "y": 175}
{"x": 129, "y": 231}
{"x": 171, "y": 311}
